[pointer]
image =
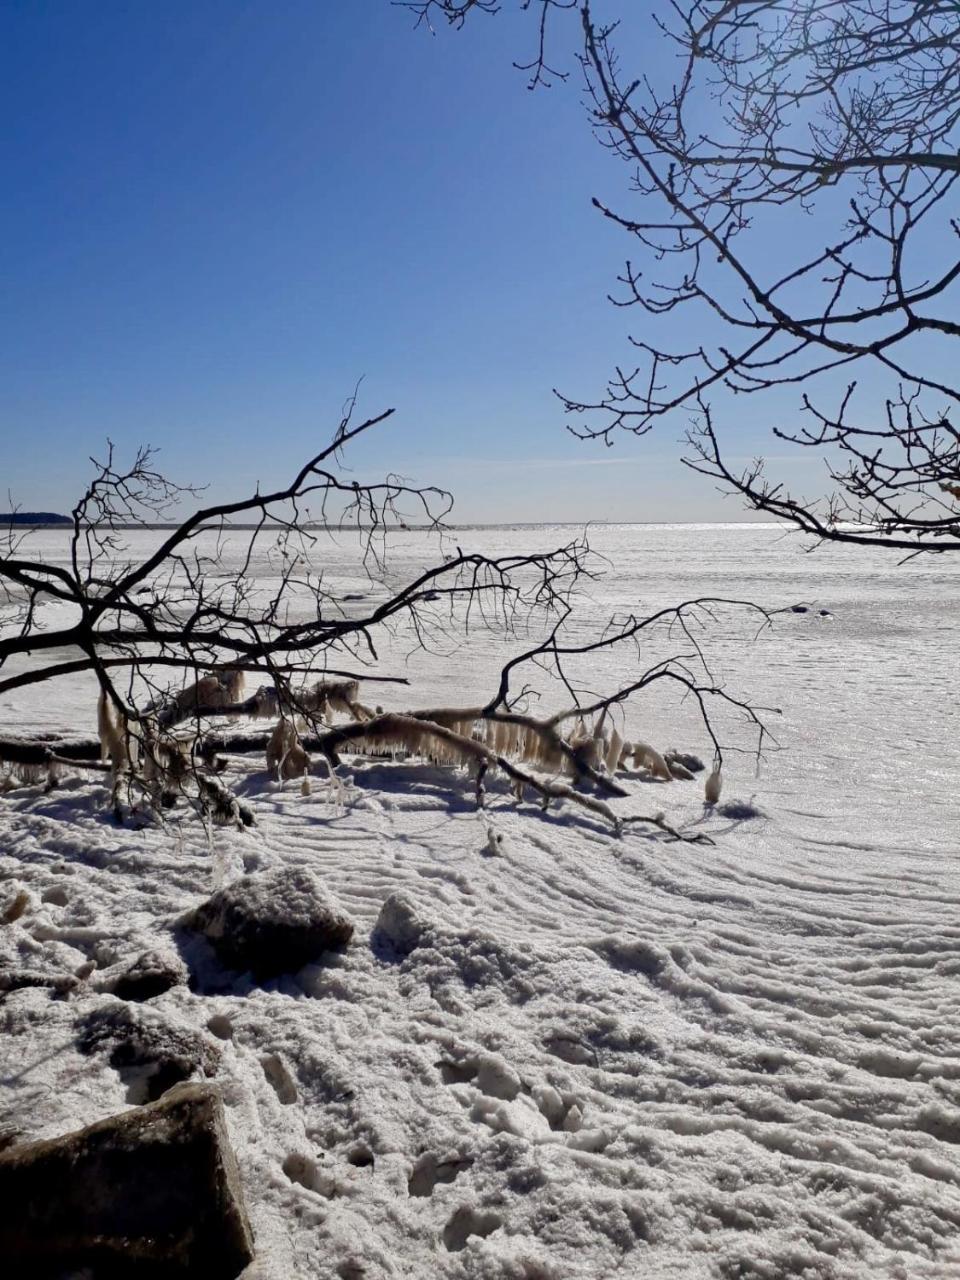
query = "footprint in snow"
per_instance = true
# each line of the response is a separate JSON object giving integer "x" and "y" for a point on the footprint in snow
{"x": 489, "y": 1072}
{"x": 467, "y": 1222}
{"x": 279, "y": 1078}
{"x": 430, "y": 1170}
{"x": 360, "y": 1156}
{"x": 305, "y": 1172}
{"x": 495, "y": 1078}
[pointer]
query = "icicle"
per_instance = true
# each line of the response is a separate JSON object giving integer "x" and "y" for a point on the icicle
{"x": 712, "y": 787}
{"x": 648, "y": 757}
{"x": 657, "y": 765}
{"x": 286, "y": 757}
{"x": 233, "y": 681}
{"x": 613, "y": 752}
{"x": 28, "y": 774}
{"x": 338, "y": 794}
{"x": 104, "y": 725}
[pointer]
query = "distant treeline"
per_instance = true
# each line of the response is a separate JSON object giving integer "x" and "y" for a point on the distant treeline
{"x": 33, "y": 517}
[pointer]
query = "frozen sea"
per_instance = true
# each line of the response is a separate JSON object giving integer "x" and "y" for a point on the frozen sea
{"x": 608, "y": 1056}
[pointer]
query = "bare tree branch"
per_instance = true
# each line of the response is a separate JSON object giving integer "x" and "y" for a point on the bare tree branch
{"x": 793, "y": 167}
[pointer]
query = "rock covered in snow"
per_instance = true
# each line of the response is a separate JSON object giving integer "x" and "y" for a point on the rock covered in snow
{"x": 399, "y": 925}
{"x": 686, "y": 759}
{"x": 272, "y": 922}
{"x": 153, "y": 1191}
{"x": 150, "y": 1052}
{"x": 150, "y": 975}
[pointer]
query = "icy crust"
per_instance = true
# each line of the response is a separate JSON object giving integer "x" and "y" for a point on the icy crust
{"x": 581, "y": 1057}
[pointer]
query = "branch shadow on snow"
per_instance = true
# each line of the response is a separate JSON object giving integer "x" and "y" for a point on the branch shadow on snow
{"x": 736, "y": 813}
{"x": 455, "y": 793}
{"x": 440, "y": 788}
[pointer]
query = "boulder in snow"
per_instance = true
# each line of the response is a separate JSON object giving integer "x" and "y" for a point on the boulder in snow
{"x": 399, "y": 925}
{"x": 150, "y": 975}
{"x": 272, "y": 922}
{"x": 150, "y": 1052}
{"x": 151, "y": 1192}
{"x": 686, "y": 759}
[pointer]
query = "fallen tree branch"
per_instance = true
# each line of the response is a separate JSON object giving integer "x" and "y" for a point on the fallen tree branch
{"x": 83, "y": 752}
{"x": 410, "y": 729}
{"x": 407, "y": 731}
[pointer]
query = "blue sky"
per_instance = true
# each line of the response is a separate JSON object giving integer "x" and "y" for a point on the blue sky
{"x": 218, "y": 215}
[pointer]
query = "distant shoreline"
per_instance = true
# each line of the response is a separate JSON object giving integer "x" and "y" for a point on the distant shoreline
{"x": 67, "y": 523}
{"x": 35, "y": 519}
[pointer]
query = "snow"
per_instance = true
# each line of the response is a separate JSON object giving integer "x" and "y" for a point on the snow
{"x": 558, "y": 1053}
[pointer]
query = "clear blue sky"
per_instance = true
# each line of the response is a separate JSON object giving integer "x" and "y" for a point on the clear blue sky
{"x": 217, "y": 215}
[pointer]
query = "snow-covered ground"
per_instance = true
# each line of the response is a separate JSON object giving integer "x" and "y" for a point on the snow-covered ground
{"x": 609, "y": 1056}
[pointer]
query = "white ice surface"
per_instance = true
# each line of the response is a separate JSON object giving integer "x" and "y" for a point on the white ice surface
{"x": 607, "y": 1057}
